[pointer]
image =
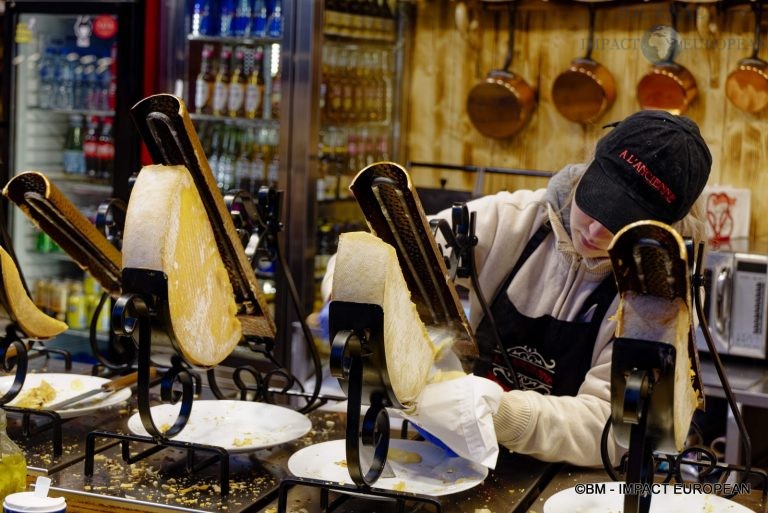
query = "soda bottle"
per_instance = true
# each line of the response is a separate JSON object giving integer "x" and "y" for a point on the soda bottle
{"x": 221, "y": 83}
{"x": 74, "y": 158}
{"x": 259, "y": 19}
{"x": 204, "y": 82}
{"x": 13, "y": 464}
{"x": 275, "y": 20}
{"x": 105, "y": 150}
{"x": 238, "y": 86}
{"x": 226, "y": 16}
{"x": 241, "y": 23}
{"x": 201, "y": 18}
{"x": 90, "y": 148}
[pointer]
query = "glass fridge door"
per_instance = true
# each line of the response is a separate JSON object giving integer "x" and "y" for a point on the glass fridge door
{"x": 62, "y": 100}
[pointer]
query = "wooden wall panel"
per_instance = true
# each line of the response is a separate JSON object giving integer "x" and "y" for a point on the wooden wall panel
{"x": 446, "y": 64}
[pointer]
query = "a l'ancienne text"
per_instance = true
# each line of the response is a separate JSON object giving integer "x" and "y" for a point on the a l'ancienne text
{"x": 660, "y": 488}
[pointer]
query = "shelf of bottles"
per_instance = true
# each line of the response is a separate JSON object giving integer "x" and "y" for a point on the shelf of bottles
{"x": 78, "y": 88}
{"x": 357, "y": 77}
{"x": 234, "y": 97}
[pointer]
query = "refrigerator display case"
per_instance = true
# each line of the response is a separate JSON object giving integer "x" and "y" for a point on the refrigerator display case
{"x": 328, "y": 75}
{"x": 73, "y": 72}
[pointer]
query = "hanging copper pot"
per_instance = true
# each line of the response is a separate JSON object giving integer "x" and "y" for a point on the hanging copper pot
{"x": 586, "y": 90}
{"x": 503, "y": 103}
{"x": 668, "y": 86}
{"x": 747, "y": 86}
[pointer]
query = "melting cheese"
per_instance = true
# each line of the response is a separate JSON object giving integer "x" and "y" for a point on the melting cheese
{"x": 33, "y": 322}
{"x": 167, "y": 229}
{"x": 367, "y": 271}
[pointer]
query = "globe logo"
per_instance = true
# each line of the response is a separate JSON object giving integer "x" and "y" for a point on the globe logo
{"x": 660, "y": 44}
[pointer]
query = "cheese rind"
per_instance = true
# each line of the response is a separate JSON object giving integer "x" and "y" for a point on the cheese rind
{"x": 33, "y": 322}
{"x": 646, "y": 317}
{"x": 167, "y": 229}
{"x": 367, "y": 271}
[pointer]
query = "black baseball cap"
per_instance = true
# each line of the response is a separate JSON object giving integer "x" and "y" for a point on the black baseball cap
{"x": 652, "y": 165}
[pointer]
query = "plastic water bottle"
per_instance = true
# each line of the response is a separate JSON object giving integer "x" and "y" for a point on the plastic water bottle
{"x": 46, "y": 87}
{"x": 66, "y": 83}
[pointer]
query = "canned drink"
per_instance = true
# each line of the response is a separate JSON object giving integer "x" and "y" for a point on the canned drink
{"x": 77, "y": 310}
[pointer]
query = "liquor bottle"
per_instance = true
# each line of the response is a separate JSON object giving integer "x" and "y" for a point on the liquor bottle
{"x": 13, "y": 464}
{"x": 254, "y": 91}
{"x": 331, "y": 18}
{"x": 105, "y": 150}
{"x": 90, "y": 148}
{"x": 74, "y": 158}
{"x": 238, "y": 86}
{"x": 225, "y": 173}
{"x": 334, "y": 90}
{"x": 221, "y": 82}
{"x": 215, "y": 148}
{"x": 256, "y": 169}
{"x": 204, "y": 82}
{"x": 241, "y": 166}
{"x": 345, "y": 77}
{"x": 275, "y": 95}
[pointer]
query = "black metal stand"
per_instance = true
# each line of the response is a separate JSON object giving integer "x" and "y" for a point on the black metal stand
{"x": 644, "y": 374}
{"x": 132, "y": 316}
{"x": 218, "y": 454}
{"x": 15, "y": 354}
{"x": 346, "y": 490}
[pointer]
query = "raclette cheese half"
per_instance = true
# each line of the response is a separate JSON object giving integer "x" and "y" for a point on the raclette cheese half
{"x": 367, "y": 271}
{"x": 32, "y": 321}
{"x": 167, "y": 229}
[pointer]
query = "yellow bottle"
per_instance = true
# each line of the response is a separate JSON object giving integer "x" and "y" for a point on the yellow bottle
{"x": 13, "y": 464}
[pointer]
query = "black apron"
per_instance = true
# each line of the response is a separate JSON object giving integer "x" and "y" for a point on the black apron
{"x": 548, "y": 355}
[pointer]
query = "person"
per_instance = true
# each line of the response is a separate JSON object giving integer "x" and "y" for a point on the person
{"x": 544, "y": 272}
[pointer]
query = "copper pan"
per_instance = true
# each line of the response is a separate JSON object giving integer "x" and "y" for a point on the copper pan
{"x": 668, "y": 85}
{"x": 502, "y": 104}
{"x": 586, "y": 90}
{"x": 747, "y": 86}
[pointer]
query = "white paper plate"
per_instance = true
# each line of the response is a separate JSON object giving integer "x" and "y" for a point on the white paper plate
{"x": 612, "y": 501}
{"x": 237, "y": 426}
{"x": 435, "y": 475}
{"x": 66, "y": 386}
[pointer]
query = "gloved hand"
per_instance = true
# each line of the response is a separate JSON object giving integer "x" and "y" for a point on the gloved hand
{"x": 434, "y": 440}
{"x": 322, "y": 321}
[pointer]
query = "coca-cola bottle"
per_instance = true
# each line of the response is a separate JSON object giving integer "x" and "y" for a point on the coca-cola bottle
{"x": 90, "y": 148}
{"x": 105, "y": 150}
